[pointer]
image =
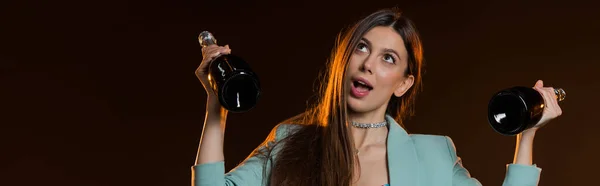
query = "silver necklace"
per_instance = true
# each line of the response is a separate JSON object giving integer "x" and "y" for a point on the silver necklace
{"x": 369, "y": 125}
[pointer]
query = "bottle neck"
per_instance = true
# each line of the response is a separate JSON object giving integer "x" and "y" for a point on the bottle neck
{"x": 206, "y": 38}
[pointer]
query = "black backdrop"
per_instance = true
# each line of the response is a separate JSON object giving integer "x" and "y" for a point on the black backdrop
{"x": 103, "y": 92}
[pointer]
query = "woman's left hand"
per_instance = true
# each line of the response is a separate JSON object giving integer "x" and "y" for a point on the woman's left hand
{"x": 551, "y": 108}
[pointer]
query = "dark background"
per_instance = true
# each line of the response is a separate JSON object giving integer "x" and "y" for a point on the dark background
{"x": 103, "y": 92}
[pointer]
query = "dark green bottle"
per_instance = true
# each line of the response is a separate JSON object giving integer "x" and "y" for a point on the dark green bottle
{"x": 232, "y": 79}
{"x": 513, "y": 110}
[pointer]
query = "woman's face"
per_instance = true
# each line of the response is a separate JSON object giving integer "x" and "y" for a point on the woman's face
{"x": 376, "y": 70}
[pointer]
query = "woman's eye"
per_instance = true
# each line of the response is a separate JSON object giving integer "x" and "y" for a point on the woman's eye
{"x": 388, "y": 58}
{"x": 362, "y": 47}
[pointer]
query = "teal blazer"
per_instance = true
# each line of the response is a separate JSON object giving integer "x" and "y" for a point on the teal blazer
{"x": 413, "y": 160}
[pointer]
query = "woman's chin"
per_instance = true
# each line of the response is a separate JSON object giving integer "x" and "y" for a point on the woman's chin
{"x": 357, "y": 106}
{"x": 363, "y": 106}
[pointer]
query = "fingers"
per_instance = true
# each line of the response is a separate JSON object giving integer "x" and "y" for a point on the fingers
{"x": 550, "y": 100}
{"x": 209, "y": 53}
{"x": 554, "y": 101}
{"x": 213, "y": 51}
{"x": 213, "y": 48}
{"x": 551, "y": 107}
{"x": 539, "y": 84}
{"x": 545, "y": 94}
{"x": 226, "y": 50}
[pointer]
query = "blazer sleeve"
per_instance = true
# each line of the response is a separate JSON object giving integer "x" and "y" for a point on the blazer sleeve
{"x": 251, "y": 171}
{"x": 516, "y": 174}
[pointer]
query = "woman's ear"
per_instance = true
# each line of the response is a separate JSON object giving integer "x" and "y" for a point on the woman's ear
{"x": 404, "y": 86}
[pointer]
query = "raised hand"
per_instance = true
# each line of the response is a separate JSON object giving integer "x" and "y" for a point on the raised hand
{"x": 551, "y": 108}
{"x": 209, "y": 53}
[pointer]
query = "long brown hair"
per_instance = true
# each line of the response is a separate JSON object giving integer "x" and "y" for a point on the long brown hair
{"x": 321, "y": 152}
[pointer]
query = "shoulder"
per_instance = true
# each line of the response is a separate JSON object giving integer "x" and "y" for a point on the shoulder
{"x": 271, "y": 144}
{"x": 430, "y": 139}
{"x": 288, "y": 126}
{"x": 284, "y": 130}
{"x": 439, "y": 145}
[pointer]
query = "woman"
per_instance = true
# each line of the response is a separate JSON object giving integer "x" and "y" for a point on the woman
{"x": 353, "y": 135}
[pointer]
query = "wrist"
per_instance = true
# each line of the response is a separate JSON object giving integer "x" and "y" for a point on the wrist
{"x": 214, "y": 108}
{"x": 524, "y": 149}
{"x": 529, "y": 133}
{"x": 212, "y": 102}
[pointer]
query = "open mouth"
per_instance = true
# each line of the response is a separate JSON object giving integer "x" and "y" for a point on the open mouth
{"x": 362, "y": 85}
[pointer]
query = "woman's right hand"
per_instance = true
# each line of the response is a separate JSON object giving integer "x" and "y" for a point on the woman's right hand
{"x": 209, "y": 53}
{"x": 211, "y": 140}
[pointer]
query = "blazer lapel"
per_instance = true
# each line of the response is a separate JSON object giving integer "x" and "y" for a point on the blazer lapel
{"x": 402, "y": 158}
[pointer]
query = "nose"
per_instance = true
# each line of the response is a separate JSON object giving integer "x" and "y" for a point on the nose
{"x": 367, "y": 64}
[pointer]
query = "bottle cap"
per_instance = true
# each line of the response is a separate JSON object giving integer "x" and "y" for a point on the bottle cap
{"x": 560, "y": 94}
{"x": 206, "y": 38}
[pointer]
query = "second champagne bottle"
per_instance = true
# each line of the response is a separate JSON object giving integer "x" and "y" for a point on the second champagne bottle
{"x": 513, "y": 110}
{"x": 231, "y": 78}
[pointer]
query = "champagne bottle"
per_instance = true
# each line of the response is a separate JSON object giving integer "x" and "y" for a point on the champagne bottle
{"x": 231, "y": 78}
{"x": 513, "y": 110}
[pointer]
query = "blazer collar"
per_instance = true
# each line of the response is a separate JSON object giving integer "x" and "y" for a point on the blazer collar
{"x": 403, "y": 164}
